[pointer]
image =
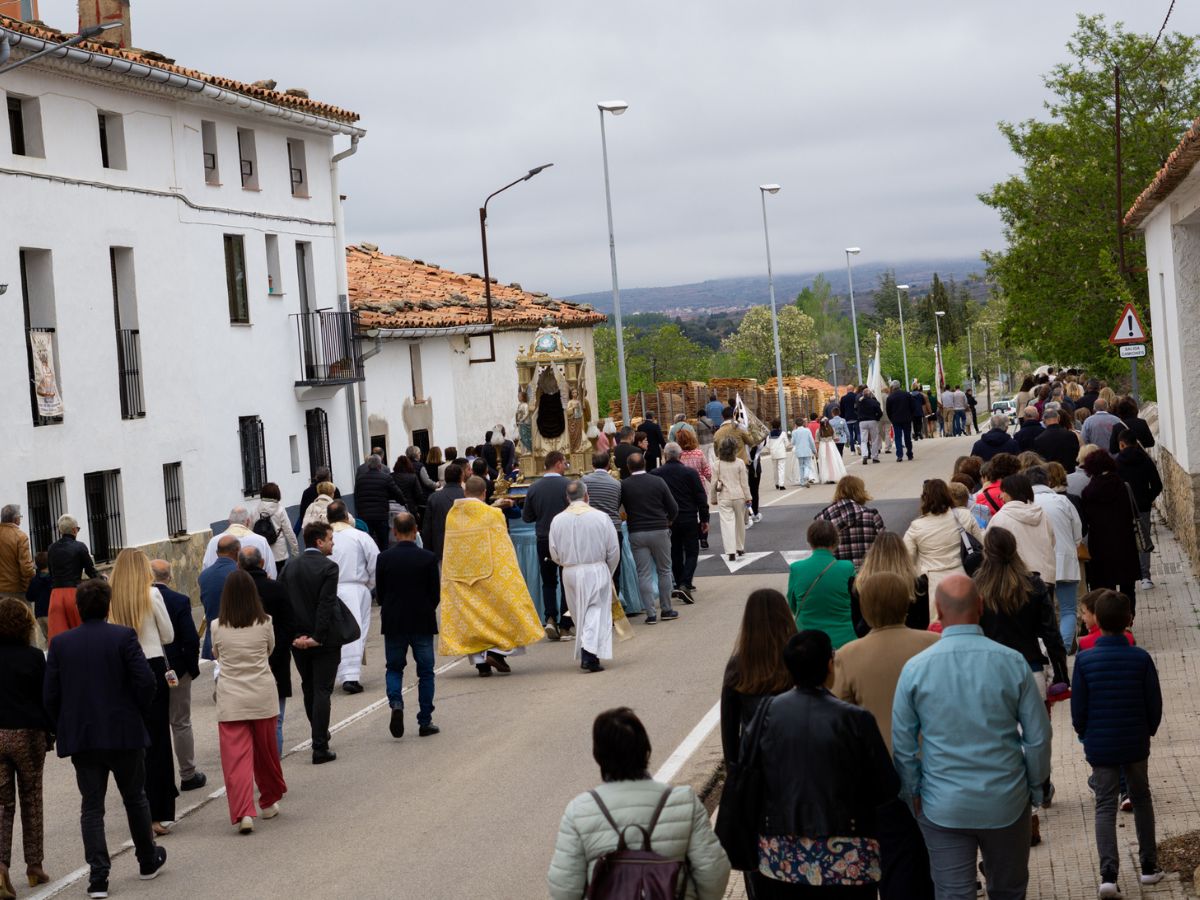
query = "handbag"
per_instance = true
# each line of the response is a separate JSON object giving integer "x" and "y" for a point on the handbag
{"x": 343, "y": 627}
{"x": 1141, "y": 530}
{"x": 970, "y": 551}
{"x": 738, "y": 813}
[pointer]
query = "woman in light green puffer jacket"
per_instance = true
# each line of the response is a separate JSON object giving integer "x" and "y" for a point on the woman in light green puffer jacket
{"x": 622, "y": 748}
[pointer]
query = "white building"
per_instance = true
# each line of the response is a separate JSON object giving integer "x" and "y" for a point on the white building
{"x": 442, "y": 375}
{"x": 174, "y": 239}
{"x": 1168, "y": 214}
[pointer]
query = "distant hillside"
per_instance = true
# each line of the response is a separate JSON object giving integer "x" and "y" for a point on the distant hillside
{"x": 738, "y": 293}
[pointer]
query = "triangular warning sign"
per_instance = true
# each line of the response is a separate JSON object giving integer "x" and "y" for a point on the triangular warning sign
{"x": 1129, "y": 328}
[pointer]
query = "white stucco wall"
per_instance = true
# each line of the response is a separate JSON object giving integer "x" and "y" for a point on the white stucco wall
{"x": 468, "y": 399}
{"x": 199, "y": 371}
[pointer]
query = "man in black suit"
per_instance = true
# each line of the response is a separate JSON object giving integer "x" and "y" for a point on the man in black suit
{"x": 654, "y": 441}
{"x": 437, "y": 507}
{"x": 99, "y": 690}
{"x": 183, "y": 656}
{"x": 278, "y": 606}
{"x": 690, "y": 522}
{"x": 311, "y": 581}
{"x": 545, "y": 500}
{"x": 900, "y": 413}
{"x": 408, "y": 587}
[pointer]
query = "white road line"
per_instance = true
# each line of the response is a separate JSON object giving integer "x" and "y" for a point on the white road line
{"x": 784, "y": 497}
{"x": 57, "y": 887}
{"x": 669, "y": 769}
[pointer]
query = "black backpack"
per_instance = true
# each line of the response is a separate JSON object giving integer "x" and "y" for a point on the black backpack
{"x": 266, "y": 529}
{"x": 625, "y": 874}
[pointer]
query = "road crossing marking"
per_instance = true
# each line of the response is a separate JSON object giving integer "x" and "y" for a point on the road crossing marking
{"x": 791, "y": 556}
{"x": 744, "y": 560}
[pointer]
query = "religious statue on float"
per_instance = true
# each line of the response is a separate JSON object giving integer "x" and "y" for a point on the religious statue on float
{"x": 552, "y": 406}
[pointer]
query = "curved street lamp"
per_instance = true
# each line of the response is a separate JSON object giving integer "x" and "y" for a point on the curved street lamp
{"x": 763, "y": 190}
{"x": 903, "y": 343}
{"x": 616, "y": 108}
{"x": 854, "y": 251}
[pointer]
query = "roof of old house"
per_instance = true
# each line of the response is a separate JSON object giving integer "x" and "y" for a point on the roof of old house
{"x": 1177, "y": 167}
{"x": 158, "y": 61}
{"x": 397, "y": 292}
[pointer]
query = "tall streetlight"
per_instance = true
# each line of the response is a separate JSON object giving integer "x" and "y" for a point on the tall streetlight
{"x": 616, "y": 108}
{"x": 970, "y": 358}
{"x": 763, "y": 190}
{"x": 903, "y": 344}
{"x": 854, "y": 251}
{"x": 833, "y": 364}
{"x": 487, "y": 273}
{"x": 55, "y": 49}
{"x": 937, "y": 321}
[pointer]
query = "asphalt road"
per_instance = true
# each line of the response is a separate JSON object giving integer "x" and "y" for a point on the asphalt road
{"x": 474, "y": 810}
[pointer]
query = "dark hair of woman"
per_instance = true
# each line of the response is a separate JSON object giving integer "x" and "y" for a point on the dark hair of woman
{"x": 1126, "y": 408}
{"x": 270, "y": 491}
{"x": 1098, "y": 462}
{"x": 935, "y": 498}
{"x": 969, "y": 466}
{"x": 620, "y": 745}
{"x": 807, "y": 657}
{"x": 403, "y": 466}
{"x": 1003, "y": 580}
{"x": 1018, "y": 487}
{"x": 767, "y": 623}
{"x": 240, "y": 603}
{"x": 17, "y": 624}
{"x": 822, "y": 535}
{"x": 1027, "y": 384}
{"x": 1002, "y": 465}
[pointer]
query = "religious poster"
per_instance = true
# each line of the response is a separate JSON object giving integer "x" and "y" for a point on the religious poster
{"x": 45, "y": 385}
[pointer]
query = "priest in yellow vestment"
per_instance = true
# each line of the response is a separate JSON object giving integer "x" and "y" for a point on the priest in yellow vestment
{"x": 487, "y": 612}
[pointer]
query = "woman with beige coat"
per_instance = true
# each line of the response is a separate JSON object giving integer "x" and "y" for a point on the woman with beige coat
{"x": 247, "y": 703}
{"x": 935, "y": 538}
{"x": 729, "y": 491}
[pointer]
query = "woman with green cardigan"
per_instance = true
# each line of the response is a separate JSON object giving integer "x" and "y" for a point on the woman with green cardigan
{"x": 819, "y": 587}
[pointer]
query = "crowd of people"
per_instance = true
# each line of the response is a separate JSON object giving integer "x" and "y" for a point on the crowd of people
{"x": 861, "y": 668}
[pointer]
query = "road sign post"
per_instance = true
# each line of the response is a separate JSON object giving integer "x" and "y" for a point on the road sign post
{"x": 1130, "y": 337}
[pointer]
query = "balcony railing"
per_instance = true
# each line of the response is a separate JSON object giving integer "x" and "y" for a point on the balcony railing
{"x": 329, "y": 353}
{"x": 129, "y": 372}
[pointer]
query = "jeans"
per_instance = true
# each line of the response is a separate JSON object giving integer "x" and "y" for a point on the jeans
{"x": 1105, "y": 782}
{"x": 279, "y": 725}
{"x": 318, "y": 667}
{"x": 1144, "y": 558}
{"x": 808, "y": 469}
{"x": 652, "y": 554}
{"x": 904, "y": 438}
{"x": 960, "y": 422}
{"x": 685, "y": 551}
{"x": 128, "y": 768}
{"x": 551, "y": 575}
{"x": 395, "y": 650}
{"x": 953, "y": 852}
{"x": 1067, "y": 595}
{"x": 853, "y": 433}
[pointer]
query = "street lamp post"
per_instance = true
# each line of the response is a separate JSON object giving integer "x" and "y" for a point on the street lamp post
{"x": 854, "y": 251}
{"x": 903, "y": 343}
{"x": 987, "y": 378}
{"x": 833, "y": 364}
{"x": 970, "y": 358}
{"x": 616, "y": 108}
{"x": 55, "y": 50}
{"x": 937, "y": 321}
{"x": 487, "y": 272}
{"x": 763, "y": 190}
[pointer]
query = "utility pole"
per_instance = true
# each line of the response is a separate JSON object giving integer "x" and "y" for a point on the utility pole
{"x": 986, "y": 377}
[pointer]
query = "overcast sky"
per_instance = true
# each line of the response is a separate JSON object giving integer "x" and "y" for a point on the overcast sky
{"x": 878, "y": 118}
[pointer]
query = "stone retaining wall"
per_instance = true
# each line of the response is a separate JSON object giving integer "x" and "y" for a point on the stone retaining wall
{"x": 1178, "y": 504}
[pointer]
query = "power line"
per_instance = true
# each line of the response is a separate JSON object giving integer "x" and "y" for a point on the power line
{"x": 1157, "y": 38}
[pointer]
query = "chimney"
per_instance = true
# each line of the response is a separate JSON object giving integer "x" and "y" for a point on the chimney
{"x": 102, "y": 12}
{"x": 24, "y": 10}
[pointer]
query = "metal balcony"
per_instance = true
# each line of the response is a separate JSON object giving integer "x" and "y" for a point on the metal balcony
{"x": 329, "y": 353}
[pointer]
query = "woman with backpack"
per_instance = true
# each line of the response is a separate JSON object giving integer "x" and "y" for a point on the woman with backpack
{"x": 603, "y": 828}
{"x": 274, "y": 526}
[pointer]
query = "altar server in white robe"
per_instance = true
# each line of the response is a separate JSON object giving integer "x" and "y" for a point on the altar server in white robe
{"x": 584, "y": 542}
{"x": 355, "y": 553}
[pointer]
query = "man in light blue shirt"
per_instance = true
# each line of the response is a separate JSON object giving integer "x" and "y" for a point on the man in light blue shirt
{"x": 971, "y": 742}
{"x": 805, "y": 448}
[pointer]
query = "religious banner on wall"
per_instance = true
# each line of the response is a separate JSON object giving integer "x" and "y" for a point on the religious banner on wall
{"x": 45, "y": 384}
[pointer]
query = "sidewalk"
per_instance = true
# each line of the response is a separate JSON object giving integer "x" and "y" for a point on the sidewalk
{"x": 1064, "y": 866}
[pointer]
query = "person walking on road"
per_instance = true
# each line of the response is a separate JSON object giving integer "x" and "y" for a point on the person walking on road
{"x": 1030, "y": 429}
{"x": 650, "y": 510}
{"x": 26, "y": 734}
{"x": 584, "y": 542}
{"x": 655, "y": 441}
{"x": 278, "y": 606}
{"x": 1098, "y": 427}
{"x": 240, "y": 527}
{"x": 777, "y": 451}
{"x": 183, "y": 658}
{"x": 1106, "y": 507}
{"x": 247, "y": 703}
{"x": 1138, "y": 470}
{"x": 819, "y": 587}
{"x": 849, "y": 409}
{"x": 1068, "y": 534}
{"x": 960, "y": 411}
{"x": 311, "y": 580}
{"x": 356, "y": 554}
{"x": 673, "y": 820}
{"x": 804, "y": 448}
{"x": 935, "y": 538}
{"x": 99, "y": 692}
{"x": 69, "y": 561}
{"x": 729, "y": 492}
{"x": 971, "y": 780}
{"x": 1057, "y": 443}
{"x": 869, "y": 414}
{"x": 691, "y": 522}
{"x": 437, "y": 507}
{"x": 16, "y": 563}
{"x": 407, "y": 582}
{"x": 547, "y": 497}
{"x": 270, "y": 509}
{"x": 995, "y": 440}
{"x": 1029, "y": 525}
{"x": 857, "y": 524}
{"x": 899, "y": 411}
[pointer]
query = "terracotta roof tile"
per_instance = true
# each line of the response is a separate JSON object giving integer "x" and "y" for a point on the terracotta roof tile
{"x": 1177, "y": 167}
{"x": 396, "y": 292}
{"x": 157, "y": 61}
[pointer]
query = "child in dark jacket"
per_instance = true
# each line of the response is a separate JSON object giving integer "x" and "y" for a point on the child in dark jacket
{"x": 1116, "y": 707}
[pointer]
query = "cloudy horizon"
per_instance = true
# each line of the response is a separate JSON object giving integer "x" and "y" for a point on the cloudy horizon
{"x": 878, "y": 120}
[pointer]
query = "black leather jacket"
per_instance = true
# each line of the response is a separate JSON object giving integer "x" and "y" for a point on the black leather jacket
{"x": 825, "y": 767}
{"x": 69, "y": 560}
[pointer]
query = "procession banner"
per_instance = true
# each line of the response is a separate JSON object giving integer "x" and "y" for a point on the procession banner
{"x": 45, "y": 384}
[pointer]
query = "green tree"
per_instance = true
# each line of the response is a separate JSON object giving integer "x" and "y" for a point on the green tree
{"x": 1059, "y": 211}
{"x": 831, "y": 327}
{"x": 797, "y": 342}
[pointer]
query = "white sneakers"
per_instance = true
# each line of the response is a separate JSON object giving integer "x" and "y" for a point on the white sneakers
{"x": 271, "y": 811}
{"x": 1153, "y": 878}
{"x": 246, "y": 825}
{"x": 1146, "y": 584}
{"x": 1110, "y": 891}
